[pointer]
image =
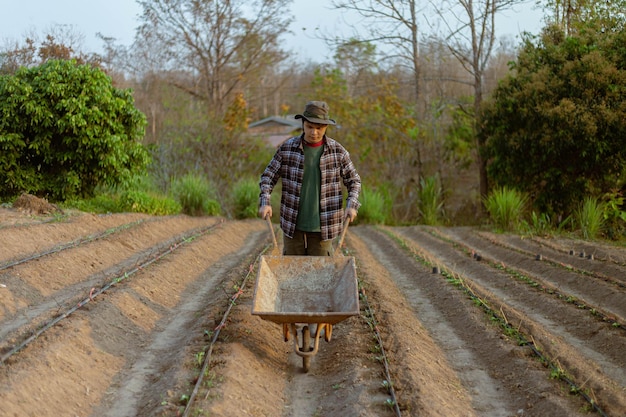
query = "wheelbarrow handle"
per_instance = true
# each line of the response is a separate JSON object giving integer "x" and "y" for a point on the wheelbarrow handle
{"x": 346, "y": 222}
{"x": 269, "y": 224}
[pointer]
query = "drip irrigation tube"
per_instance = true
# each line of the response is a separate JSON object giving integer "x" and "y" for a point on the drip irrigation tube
{"x": 71, "y": 244}
{"x": 371, "y": 320}
{"x": 209, "y": 352}
{"x": 94, "y": 293}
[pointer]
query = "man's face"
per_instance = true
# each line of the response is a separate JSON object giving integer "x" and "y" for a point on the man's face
{"x": 314, "y": 132}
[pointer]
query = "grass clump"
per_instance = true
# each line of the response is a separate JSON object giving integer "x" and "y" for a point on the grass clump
{"x": 195, "y": 194}
{"x": 430, "y": 201}
{"x": 373, "y": 207}
{"x": 505, "y": 207}
{"x": 139, "y": 195}
{"x": 246, "y": 198}
{"x": 138, "y": 201}
{"x": 590, "y": 217}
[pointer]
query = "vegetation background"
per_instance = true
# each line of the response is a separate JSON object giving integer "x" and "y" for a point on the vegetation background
{"x": 446, "y": 123}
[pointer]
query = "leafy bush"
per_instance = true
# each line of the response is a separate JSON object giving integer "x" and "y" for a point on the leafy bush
{"x": 195, "y": 195}
{"x": 64, "y": 129}
{"x": 246, "y": 198}
{"x": 373, "y": 208}
{"x": 430, "y": 201}
{"x": 552, "y": 129}
{"x": 505, "y": 207}
{"x": 614, "y": 216}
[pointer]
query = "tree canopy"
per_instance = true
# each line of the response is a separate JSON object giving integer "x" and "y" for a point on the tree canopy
{"x": 557, "y": 127}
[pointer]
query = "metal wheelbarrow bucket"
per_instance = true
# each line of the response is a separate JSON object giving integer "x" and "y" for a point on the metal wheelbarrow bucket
{"x": 306, "y": 292}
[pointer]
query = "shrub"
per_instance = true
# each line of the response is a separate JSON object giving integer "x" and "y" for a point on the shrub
{"x": 613, "y": 215}
{"x": 505, "y": 207}
{"x": 64, "y": 130}
{"x": 195, "y": 195}
{"x": 246, "y": 198}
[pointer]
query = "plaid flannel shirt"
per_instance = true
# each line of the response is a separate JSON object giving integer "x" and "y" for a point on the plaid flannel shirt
{"x": 336, "y": 168}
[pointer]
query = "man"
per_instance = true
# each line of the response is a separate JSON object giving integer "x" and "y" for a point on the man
{"x": 312, "y": 168}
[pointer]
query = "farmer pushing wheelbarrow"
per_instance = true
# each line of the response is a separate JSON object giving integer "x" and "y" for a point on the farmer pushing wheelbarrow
{"x": 313, "y": 167}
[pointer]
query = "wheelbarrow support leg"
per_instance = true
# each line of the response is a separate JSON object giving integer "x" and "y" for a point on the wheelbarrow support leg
{"x": 304, "y": 350}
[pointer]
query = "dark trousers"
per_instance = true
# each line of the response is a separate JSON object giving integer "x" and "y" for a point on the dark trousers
{"x": 307, "y": 243}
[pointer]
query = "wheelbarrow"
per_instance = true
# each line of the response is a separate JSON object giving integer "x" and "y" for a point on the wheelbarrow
{"x": 310, "y": 293}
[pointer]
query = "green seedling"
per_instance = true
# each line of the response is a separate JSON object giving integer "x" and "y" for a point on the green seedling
{"x": 199, "y": 358}
{"x": 386, "y": 385}
{"x": 375, "y": 349}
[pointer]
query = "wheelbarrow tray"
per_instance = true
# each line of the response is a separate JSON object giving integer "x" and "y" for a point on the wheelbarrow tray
{"x": 306, "y": 289}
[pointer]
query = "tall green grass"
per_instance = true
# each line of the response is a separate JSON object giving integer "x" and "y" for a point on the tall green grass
{"x": 246, "y": 198}
{"x": 590, "y": 217}
{"x": 373, "y": 207}
{"x": 196, "y": 195}
{"x": 430, "y": 196}
{"x": 506, "y": 207}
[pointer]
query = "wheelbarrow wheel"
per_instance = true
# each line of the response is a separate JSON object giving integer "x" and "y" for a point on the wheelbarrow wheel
{"x": 306, "y": 347}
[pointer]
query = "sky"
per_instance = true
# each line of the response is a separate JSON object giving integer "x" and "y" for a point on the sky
{"x": 119, "y": 18}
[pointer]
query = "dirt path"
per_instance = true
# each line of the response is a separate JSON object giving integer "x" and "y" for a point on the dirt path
{"x": 116, "y": 316}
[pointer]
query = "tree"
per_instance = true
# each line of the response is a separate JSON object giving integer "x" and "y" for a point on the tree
{"x": 393, "y": 23}
{"x": 380, "y": 132}
{"x": 64, "y": 129}
{"x": 470, "y": 37}
{"x": 58, "y": 42}
{"x": 557, "y": 128}
{"x": 571, "y": 15}
{"x": 212, "y": 49}
{"x": 357, "y": 61}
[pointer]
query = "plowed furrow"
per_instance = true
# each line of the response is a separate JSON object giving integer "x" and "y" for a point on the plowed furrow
{"x": 40, "y": 289}
{"x": 582, "y": 270}
{"x": 344, "y": 378}
{"x": 460, "y": 332}
{"x": 92, "y": 356}
{"x": 588, "y": 349}
{"x": 41, "y": 237}
{"x": 600, "y": 297}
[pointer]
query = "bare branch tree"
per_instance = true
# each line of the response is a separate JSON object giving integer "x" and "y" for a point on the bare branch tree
{"x": 221, "y": 45}
{"x": 393, "y": 23}
{"x": 470, "y": 36}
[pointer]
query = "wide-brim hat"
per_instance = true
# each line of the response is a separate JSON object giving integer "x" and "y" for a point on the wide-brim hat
{"x": 316, "y": 112}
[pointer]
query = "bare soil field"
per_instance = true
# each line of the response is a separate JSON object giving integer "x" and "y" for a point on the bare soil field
{"x": 131, "y": 315}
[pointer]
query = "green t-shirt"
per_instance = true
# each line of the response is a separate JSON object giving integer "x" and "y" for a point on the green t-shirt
{"x": 309, "y": 211}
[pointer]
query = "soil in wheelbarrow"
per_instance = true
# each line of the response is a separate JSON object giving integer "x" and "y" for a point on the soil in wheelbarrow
{"x": 136, "y": 349}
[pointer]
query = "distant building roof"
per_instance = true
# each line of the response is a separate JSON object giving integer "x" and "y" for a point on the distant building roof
{"x": 275, "y": 129}
{"x": 277, "y": 120}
